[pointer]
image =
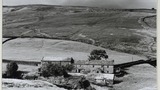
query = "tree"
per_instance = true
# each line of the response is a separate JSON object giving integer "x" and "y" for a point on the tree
{"x": 98, "y": 55}
{"x": 72, "y": 60}
{"x": 11, "y": 68}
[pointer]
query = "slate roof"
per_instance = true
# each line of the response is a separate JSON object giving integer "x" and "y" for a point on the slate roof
{"x": 55, "y": 59}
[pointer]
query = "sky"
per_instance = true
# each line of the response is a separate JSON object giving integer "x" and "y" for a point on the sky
{"x": 94, "y": 3}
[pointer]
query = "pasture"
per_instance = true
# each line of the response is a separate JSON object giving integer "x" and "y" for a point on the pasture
{"x": 34, "y": 49}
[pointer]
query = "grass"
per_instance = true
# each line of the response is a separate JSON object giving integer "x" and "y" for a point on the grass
{"x": 109, "y": 28}
{"x": 139, "y": 77}
{"x": 151, "y": 21}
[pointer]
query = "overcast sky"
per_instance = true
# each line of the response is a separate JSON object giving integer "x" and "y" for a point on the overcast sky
{"x": 96, "y": 3}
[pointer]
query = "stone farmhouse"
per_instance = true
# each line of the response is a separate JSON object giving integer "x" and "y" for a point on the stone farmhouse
{"x": 96, "y": 66}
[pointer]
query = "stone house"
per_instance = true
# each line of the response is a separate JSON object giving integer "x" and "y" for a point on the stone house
{"x": 96, "y": 66}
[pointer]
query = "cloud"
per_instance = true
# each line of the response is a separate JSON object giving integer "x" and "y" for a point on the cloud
{"x": 114, "y": 3}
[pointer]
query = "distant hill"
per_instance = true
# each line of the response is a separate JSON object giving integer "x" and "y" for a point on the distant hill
{"x": 115, "y": 29}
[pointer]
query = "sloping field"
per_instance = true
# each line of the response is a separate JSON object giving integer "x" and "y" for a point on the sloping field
{"x": 33, "y": 49}
{"x": 139, "y": 77}
{"x": 111, "y": 29}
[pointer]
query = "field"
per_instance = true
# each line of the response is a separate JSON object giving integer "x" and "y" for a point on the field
{"x": 120, "y": 30}
{"x": 139, "y": 77}
{"x": 34, "y": 49}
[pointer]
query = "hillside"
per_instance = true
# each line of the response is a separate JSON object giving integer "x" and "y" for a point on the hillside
{"x": 120, "y": 30}
{"x": 34, "y": 49}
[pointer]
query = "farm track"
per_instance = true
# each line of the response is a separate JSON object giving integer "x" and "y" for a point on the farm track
{"x": 25, "y": 33}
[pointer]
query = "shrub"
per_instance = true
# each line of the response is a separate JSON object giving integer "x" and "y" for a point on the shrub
{"x": 68, "y": 67}
{"x": 65, "y": 74}
{"x": 11, "y": 68}
{"x": 84, "y": 83}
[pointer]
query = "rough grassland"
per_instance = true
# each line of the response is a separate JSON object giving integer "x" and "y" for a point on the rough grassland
{"x": 139, "y": 77}
{"x": 113, "y": 29}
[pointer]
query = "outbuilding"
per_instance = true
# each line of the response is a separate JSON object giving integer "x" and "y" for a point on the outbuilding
{"x": 104, "y": 79}
{"x": 57, "y": 60}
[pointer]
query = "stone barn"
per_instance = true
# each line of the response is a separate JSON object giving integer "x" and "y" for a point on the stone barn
{"x": 57, "y": 60}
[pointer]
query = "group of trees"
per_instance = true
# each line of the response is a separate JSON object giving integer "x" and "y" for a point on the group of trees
{"x": 98, "y": 55}
{"x": 46, "y": 70}
{"x": 49, "y": 69}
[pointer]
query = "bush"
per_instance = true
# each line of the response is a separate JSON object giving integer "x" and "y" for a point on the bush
{"x": 68, "y": 67}
{"x": 11, "y": 68}
{"x": 84, "y": 83}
